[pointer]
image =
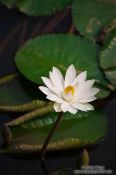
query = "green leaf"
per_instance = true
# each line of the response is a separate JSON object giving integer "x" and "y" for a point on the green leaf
{"x": 108, "y": 38}
{"x": 108, "y": 58}
{"x": 74, "y": 131}
{"x": 91, "y": 16}
{"x": 18, "y": 91}
{"x": 103, "y": 93}
{"x": 50, "y": 119}
{"x": 37, "y": 57}
{"x": 38, "y": 7}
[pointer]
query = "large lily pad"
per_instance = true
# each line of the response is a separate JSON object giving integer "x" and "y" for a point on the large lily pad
{"x": 38, "y": 7}
{"x": 91, "y": 16}
{"x": 74, "y": 131}
{"x": 108, "y": 57}
{"x": 37, "y": 57}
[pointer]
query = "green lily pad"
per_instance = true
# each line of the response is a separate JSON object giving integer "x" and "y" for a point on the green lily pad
{"x": 37, "y": 57}
{"x": 18, "y": 91}
{"x": 91, "y": 16}
{"x": 108, "y": 58}
{"x": 108, "y": 38}
{"x": 38, "y": 7}
{"x": 104, "y": 91}
{"x": 74, "y": 131}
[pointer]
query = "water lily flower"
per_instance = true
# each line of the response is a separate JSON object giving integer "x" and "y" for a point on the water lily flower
{"x": 70, "y": 94}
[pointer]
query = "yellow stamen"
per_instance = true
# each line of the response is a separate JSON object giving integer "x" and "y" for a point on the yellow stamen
{"x": 69, "y": 89}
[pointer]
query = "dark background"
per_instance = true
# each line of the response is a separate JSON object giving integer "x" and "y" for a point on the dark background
{"x": 15, "y": 29}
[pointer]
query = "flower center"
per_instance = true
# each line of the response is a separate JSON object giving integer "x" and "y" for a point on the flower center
{"x": 68, "y": 93}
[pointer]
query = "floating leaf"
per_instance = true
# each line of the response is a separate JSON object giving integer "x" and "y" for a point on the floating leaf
{"x": 91, "y": 16}
{"x": 103, "y": 93}
{"x": 37, "y": 57}
{"x": 18, "y": 91}
{"x": 50, "y": 119}
{"x": 38, "y": 7}
{"x": 108, "y": 58}
{"x": 109, "y": 32}
{"x": 74, "y": 131}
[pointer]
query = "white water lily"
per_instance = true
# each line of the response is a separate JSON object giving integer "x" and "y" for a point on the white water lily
{"x": 70, "y": 94}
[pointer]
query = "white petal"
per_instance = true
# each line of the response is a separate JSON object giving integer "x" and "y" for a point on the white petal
{"x": 89, "y": 107}
{"x": 83, "y": 106}
{"x": 47, "y": 82}
{"x": 76, "y": 85}
{"x": 59, "y": 76}
{"x": 57, "y": 79}
{"x": 50, "y": 85}
{"x": 81, "y": 77}
{"x": 57, "y": 107}
{"x": 64, "y": 107}
{"x": 79, "y": 106}
{"x": 70, "y": 75}
{"x": 94, "y": 91}
{"x": 72, "y": 110}
{"x": 45, "y": 90}
{"x": 88, "y": 93}
{"x": 67, "y": 107}
{"x": 55, "y": 98}
{"x": 84, "y": 86}
{"x": 89, "y": 83}
{"x": 85, "y": 100}
{"x": 51, "y": 77}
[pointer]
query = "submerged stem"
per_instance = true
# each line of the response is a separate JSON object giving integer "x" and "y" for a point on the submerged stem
{"x": 6, "y": 134}
{"x": 8, "y": 78}
{"x": 43, "y": 150}
{"x": 31, "y": 115}
{"x": 23, "y": 107}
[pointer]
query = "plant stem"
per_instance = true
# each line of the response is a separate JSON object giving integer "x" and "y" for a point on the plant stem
{"x": 55, "y": 21}
{"x": 6, "y": 134}
{"x": 9, "y": 38}
{"x": 43, "y": 150}
{"x": 8, "y": 78}
{"x": 31, "y": 115}
{"x": 23, "y": 107}
{"x": 37, "y": 28}
{"x": 44, "y": 167}
{"x": 22, "y": 37}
